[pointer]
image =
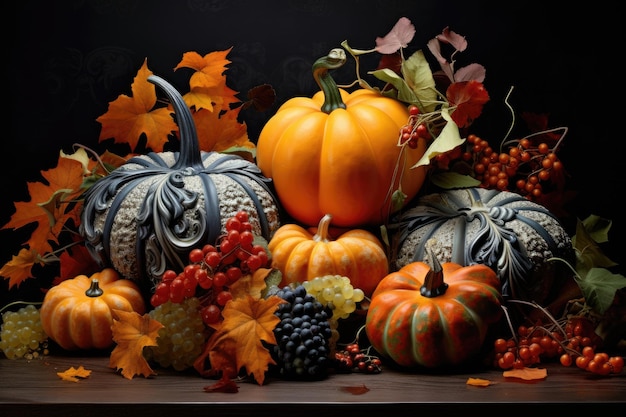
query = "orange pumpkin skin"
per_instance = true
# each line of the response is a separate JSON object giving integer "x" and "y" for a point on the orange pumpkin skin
{"x": 444, "y": 330}
{"x": 301, "y": 255}
{"x": 342, "y": 162}
{"x": 75, "y": 320}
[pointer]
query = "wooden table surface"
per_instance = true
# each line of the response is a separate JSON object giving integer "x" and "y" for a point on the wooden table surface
{"x": 32, "y": 388}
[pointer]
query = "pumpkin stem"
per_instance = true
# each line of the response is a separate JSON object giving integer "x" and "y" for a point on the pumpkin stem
{"x": 433, "y": 282}
{"x": 321, "y": 235}
{"x": 94, "y": 289}
{"x": 332, "y": 97}
{"x": 190, "y": 155}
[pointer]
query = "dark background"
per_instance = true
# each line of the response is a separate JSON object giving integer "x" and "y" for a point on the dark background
{"x": 67, "y": 60}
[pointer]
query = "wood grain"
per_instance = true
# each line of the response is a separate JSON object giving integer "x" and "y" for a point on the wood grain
{"x": 32, "y": 388}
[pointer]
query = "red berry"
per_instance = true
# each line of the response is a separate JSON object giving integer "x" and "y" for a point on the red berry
{"x": 242, "y": 216}
{"x": 196, "y": 256}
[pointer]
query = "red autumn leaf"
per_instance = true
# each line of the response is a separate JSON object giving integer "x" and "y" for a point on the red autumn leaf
{"x": 127, "y": 118}
{"x": 225, "y": 384}
{"x": 356, "y": 390}
{"x": 261, "y": 97}
{"x": 76, "y": 261}
{"x": 468, "y": 97}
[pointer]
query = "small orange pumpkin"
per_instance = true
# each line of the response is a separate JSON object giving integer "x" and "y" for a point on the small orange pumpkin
{"x": 417, "y": 319}
{"x": 76, "y": 313}
{"x": 303, "y": 254}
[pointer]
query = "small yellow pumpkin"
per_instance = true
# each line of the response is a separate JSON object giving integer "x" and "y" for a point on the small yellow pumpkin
{"x": 76, "y": 313}
{"x": 303, "y": 254}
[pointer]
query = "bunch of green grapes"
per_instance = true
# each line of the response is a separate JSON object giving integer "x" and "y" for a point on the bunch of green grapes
{"x": 337, "y": 293}
{"x": 182, "y": 338}
{"x": 21, "y": 334}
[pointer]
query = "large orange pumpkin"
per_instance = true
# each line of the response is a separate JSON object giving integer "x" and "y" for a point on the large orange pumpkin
{"x": 77, "y": 313}
{"x": 433, "y": 317}
{"x": 338, "y": 153}
{"x": 301, "y": 255}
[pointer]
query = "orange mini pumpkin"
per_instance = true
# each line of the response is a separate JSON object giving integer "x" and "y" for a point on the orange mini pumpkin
{"x": 76, "y": 313}
{"x": 301, "y": 255}
{"x": 416, "y": 318}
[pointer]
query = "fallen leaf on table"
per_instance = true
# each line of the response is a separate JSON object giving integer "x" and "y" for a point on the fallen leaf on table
{"x": 358, "y": 390}
{"x": 73, "y": 374}
{"x": 527, "y": 374}
{"x": 225, "y": 384}
{"x": 478, "y": 382}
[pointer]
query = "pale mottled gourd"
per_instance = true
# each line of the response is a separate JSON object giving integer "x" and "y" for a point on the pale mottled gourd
{"x": 500, "y": 229}
{"x": 147, "y": 215}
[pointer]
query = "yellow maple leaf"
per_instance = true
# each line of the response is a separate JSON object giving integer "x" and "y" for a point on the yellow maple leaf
{"x": 209, "y": 68}
{"x": 247, "y": 322}
{"x": 132, "y": 332}
{"x": 74, "y": 374}
{"x": 127, "y": 118}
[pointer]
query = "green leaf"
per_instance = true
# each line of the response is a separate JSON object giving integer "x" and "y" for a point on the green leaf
{"x": 418, "y": 75}
{"x": 403, "y": 91}
{"x": 588, "y": 253}
{"x": 448, "y": 139}
{"x": 599, "y": 287}
{"x": 598, "y": 228}
{"x": 450, "y": 180}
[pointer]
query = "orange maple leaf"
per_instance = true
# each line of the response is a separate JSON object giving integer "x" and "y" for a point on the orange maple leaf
{"x": 74, "y": 374}
{"x": 214, "y": 99}
{"x": 209, "y": 68}
{"x": 19, "y": 268}
{"x": 49, "y": 205}
{"x": 219, "y": 133}
{"x": 250, "y": 284}
{"x": 127, "y": 118}
{"x": 469, "y": 97}
{"x": 247, "y": 322}
{"x": 132, "y": 332}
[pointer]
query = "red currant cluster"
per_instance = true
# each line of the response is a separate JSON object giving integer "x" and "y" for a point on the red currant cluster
{"x": 213, "y": 268}
{"x": 414, "y": 130}
{"x": 577, "y": 343}
{"x": 525, "y": 168}
{"x": 353, "y": 359}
